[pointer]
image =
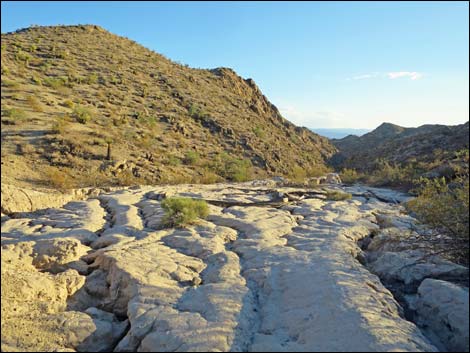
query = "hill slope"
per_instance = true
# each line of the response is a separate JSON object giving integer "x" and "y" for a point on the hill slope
{"x": 400, "y": 145}
{"x": 68, "y": 91}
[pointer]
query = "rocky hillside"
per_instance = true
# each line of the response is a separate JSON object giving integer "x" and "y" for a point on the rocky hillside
{"x": 70, "y": 91}
{"x": 396, "y": 144}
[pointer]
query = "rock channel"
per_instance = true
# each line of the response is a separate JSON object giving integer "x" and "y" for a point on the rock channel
{"x": 103, "y": 275}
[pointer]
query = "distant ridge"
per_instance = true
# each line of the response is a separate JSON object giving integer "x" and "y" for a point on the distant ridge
{"x": 398, "y": 144}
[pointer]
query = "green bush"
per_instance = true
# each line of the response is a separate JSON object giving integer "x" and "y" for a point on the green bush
{"x": 11, "y": 84}
{"x": 91, "y": 79}
{"x": 180, "y": 211}
{"x": 173, "y": 161}
{"x": 68, "y": 103}
{"x": 60, "y": 126}
{"x": 191, "y": 158}
{"x": 197, "y": 113}
{"x": 207, "y": 177}
{"x": 387, "y": 174}
{"x": 54, "y": 82}
{"x": 231, "y": 168}
{"x": 15, "y": 113}
{"x": 259, "y": 132}
{"x": 23, "y": 57}
{"x": 349, "y": 176}
{"x": 82, "y": 115}
{"x": 337, "y": 195}
{"x": 318, "y": 170}
{"x": 444, "y": 207}
{"x": 298, "y": 174}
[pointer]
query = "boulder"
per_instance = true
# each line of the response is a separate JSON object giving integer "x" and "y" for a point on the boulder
{"x": 407, "y": 270}
{"x": 442, "y": 308}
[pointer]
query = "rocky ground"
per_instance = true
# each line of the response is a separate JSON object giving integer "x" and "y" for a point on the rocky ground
{"x": 303, "y": 274}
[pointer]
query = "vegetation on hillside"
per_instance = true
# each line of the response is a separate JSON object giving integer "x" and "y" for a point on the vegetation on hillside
{"x": 409, "y": 175}
{"x": 74, "y": 87}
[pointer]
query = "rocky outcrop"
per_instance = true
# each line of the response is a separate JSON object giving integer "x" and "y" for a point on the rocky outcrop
{"x": 19, "y": 199}
{"x": 432, "y": 290}
{"x": 276, "y": 277}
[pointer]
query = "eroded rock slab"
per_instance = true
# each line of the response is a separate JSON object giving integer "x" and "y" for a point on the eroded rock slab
{"x": 103, "y": 274}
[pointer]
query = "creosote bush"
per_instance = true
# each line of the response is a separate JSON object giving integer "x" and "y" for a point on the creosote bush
{"x": 231, "y": 168}
{"x": 349, "y": 176}
{"x": 444, "y": 207}
{"x": 82, "y": 115}
{"x": 191, "y": 158}
{"x": 180, "y": 211}
{"x": 15, "y": 113}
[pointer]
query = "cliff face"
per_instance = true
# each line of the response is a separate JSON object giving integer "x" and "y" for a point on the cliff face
{"x": 68, "y": 90}
{"x": 400, "y": 145}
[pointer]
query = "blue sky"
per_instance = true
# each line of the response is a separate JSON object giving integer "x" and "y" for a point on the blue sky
{"x": 323, "y": 64}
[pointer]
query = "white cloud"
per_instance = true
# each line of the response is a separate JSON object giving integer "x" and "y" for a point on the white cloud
{"x": 365, "y": 76}
{"x": 413, "y": 75}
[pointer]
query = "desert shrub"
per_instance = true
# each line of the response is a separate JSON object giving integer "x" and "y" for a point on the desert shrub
{"x": 82, "y": 114}
{"x": 54, "y": 82}
{"x": 21, "y": 56}
{"x": 337, "y": 195}
{"x": 349, "y": 176}
{"x": 317, "y": 171}
{"x": 387, "y": 174}
{"x": 180, "y": 211}
{"x": 36, "y": 80}
{"x": 208, "y": 177}
{"x": 259, "y": 132}
{"x": 444, "y": 207}
{"x": 35, "y": 104}
{"x": 58, "y": 179}
{"x": 60, "y": 126}
{"x": 173, "y": 161}
{"x": 91, "y": 79}
{"x": 298, "y": 174}
{"x": 191, "y": 157}
{"x": 15, "y": 113}
{"x": 127, "y": 178}
{"x": 9, "y": 83}
{"x": 231, "y": 168}
{"x": 196, "y": 112}
{"x": 68, "y": 103}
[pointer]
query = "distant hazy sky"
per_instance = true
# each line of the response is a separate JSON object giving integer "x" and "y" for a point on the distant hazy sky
{"x": 323, "y": 64}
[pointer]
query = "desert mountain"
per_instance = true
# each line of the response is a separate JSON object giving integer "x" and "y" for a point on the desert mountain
{"x": 400, "y": 145}
{"x": 70, "y": 91}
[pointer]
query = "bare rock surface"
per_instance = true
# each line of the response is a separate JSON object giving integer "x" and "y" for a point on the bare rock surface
{"x": 443, "y": 311}
{"x": 105, "y": 275}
